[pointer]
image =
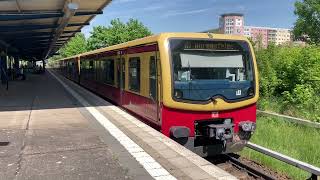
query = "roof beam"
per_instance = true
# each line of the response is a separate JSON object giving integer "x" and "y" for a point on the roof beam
{"x": 70, "y": 10}
{"x": 40, "y": 37}
{"x": 74, "y": 31}
{"x": 23, "y": 34}
{"x": 36, "y": 27}
{"x": 88, "y": 13}
{"x": 41, "y": 15}
{"x": 30, "y": 39}
{"x": 30, "y": 48}
{"x": 30, "y": 43}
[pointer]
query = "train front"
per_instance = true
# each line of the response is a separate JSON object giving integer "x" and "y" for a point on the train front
{"x": 210, "y": 93}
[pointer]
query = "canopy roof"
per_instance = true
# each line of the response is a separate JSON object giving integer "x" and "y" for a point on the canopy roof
{"x": 36, "y": 29}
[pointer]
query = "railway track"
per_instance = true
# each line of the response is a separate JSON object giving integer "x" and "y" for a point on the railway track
{"x": 244, "y": 169}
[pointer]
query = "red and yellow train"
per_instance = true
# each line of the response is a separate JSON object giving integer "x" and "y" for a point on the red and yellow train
{"x": 199, "y": 89}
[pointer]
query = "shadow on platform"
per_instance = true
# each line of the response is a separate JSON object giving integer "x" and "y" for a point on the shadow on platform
{"x": 37, "y": 92}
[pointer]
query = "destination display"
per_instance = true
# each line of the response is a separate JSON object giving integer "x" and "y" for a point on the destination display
{"x": 211, "y": 45}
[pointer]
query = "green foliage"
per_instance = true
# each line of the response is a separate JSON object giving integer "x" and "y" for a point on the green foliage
{"x": 268, "y": 75}
{"x": 76, "y": 45}
{"x": 101, "y": 36}
{"x": 308, "y": 22}
{"x": 118, "y": 32}
{"x": 291, "y": 75}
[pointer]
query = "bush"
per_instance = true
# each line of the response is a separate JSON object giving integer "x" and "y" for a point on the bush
{"x": 292, "y": 74}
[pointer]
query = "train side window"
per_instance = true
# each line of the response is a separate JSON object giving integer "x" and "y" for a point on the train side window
{"x": 91, "y": 70}
{"x": 98, "y": 70}
{"x": 134, "y": 74}
{"x": 153, "y": 77}
{"x": 87, "y": 70}
{"x": 123, "y": 76}
{"x": 109, "y": 70}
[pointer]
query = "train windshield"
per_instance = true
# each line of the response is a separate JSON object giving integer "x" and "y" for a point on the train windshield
{"x": 205, "y": 70}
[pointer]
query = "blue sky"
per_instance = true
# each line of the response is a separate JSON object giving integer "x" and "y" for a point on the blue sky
{"x": 196, "y": 15}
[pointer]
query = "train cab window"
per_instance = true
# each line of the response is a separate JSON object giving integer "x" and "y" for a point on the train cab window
{"x": 109, "y": 71}
{"x": 134, "y": 74}
{"x": 153, "y": 77}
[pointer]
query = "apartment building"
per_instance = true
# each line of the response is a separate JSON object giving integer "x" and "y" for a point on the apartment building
{"x": 233, "y": 23}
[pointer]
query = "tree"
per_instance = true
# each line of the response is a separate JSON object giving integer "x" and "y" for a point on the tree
{"x": 75, "y": 46}
{"x": 308, "y": 22}
{"x": 118, "y": 32}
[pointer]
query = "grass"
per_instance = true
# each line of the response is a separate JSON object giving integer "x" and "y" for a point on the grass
{"x": 278, "y": 105}
{"x": 296, "y": 141}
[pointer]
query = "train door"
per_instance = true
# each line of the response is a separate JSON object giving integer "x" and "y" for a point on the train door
{"x": 153, "y": 106}
{"x": 122, "y": 82}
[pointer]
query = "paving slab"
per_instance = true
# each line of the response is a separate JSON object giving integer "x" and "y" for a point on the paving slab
{"x": 8, "y": 167}
{"x": 81, "y": 164}
{"x": 12, "y": 142}
{"x": 45, "y": 141}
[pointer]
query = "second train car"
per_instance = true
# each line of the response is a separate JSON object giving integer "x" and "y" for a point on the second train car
{"x": 199, "y": 89}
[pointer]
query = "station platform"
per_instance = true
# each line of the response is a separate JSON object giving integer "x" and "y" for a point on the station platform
{"x": 51, "y": 128}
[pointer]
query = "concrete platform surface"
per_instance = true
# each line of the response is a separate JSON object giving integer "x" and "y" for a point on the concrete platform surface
{"x": 51, "y": 128}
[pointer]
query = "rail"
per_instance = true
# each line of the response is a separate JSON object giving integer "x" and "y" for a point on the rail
{"x": 6, "y": 78}
{"x": 292, "y": 119}
{"x": 315, "y": 171}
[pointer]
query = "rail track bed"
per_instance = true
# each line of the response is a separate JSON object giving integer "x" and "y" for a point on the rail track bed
{"x": 245, "y": 169}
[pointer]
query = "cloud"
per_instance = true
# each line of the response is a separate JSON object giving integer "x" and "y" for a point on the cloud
{"x": 152, "y": 8}
{"x": 141, "y": 10}
{"x": 190, "y": 12}
{"x": 124, "y": 1}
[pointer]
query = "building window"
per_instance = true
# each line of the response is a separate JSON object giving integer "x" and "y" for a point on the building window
{"x": 134, "y": 74}
{"x": 109, "y": 71}
{"x": 238, "y": 22}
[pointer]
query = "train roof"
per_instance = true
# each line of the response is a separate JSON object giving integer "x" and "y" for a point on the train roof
{"x": 160, "y": 37}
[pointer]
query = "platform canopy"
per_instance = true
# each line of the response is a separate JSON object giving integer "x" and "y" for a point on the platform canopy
{"x": 36, "y": 29}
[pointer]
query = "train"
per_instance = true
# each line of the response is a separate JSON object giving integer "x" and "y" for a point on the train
{"x": 200, "y": 89}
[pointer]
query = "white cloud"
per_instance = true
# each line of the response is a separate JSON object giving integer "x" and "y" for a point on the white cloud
{"x": 124, "y": 1}
{"x": 152, "y": 8}
{"x": 179, "y": 13}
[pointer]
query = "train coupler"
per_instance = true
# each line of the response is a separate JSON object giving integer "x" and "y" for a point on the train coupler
{"x": 221, "y": 132}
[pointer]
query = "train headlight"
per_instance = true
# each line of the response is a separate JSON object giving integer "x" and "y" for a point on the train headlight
{"x": 178, "y": 94}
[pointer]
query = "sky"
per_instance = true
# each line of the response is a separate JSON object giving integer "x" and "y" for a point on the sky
{"x": 195, "y": 15}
